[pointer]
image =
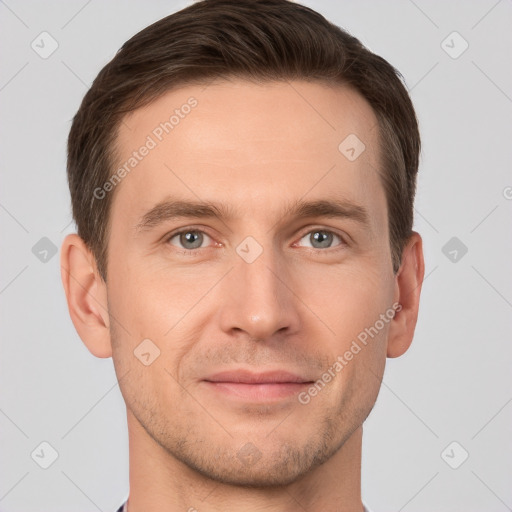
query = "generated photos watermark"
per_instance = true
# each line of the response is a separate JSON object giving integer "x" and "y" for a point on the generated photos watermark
{"x": 343, "y": 360}
{"x": 152, "y": 140}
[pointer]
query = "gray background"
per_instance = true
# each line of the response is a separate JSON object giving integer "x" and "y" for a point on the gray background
{"x": 454, "y": 384}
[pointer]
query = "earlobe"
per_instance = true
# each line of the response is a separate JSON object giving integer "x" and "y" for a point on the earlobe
{"x": 86, "y": 295}
{"x": 409, "y": 280}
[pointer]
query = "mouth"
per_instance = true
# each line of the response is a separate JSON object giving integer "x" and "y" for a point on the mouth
{"x": 257, "y": 386}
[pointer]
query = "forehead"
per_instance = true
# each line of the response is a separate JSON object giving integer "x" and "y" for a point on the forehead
{"x": 255, "y": 146}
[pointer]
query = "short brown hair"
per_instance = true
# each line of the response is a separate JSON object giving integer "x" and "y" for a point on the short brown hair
{"x": 259, "y": 40}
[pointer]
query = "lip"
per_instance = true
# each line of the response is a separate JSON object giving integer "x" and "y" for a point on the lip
{"x": 257, "y": 386}
{"x": 248, "y": 377}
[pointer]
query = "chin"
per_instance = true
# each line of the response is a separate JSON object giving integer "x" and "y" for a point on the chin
{"x": 249, "y": 467}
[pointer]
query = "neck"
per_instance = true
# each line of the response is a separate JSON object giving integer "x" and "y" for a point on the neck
{"x": 159, "y": 482}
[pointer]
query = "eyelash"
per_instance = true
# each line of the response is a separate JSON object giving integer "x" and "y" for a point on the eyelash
{"x": 192, "y": 252}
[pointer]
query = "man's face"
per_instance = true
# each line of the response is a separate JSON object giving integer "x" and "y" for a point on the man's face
{"x": 262, "y": 290}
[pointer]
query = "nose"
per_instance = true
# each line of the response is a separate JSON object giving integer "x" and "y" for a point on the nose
{"x": 258, "y": 298}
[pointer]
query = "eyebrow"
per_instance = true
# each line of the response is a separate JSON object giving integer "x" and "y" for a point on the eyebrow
{"x": 170, "y": 209}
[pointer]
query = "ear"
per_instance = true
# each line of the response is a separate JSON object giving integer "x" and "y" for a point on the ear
{"x": 86, "y": 295}
{"x": 408, "y": 283}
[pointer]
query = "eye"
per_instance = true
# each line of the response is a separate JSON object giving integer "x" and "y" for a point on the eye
{"x": 321, "y": 239}
{"x": 192, "y": 239}
{"x": 189, "y": 239}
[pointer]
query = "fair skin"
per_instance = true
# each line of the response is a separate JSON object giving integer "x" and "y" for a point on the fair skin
{"x": 200, "y": 441}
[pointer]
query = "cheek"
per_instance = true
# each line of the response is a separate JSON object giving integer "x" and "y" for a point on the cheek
{"x": 150, "y": 302}
{"x": 168, "y": 307}
{"x": 348, "y": 299}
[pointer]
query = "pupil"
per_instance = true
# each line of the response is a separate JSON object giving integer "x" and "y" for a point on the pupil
{"x": 321, "y": 237}
{"x": 191, "y": 238}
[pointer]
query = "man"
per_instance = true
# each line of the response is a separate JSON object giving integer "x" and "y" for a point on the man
{"x": 242, "y": 177}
